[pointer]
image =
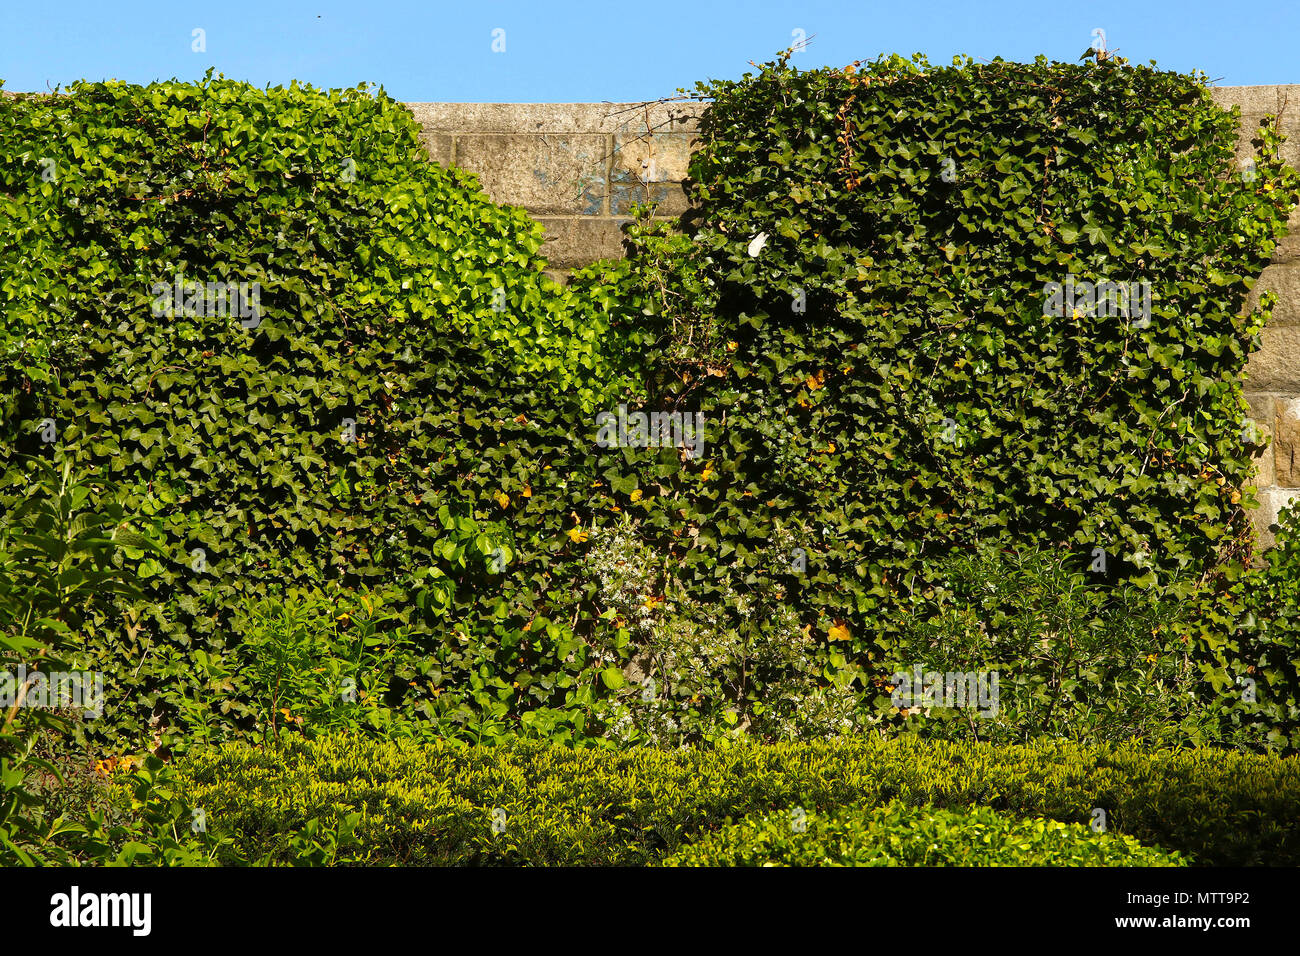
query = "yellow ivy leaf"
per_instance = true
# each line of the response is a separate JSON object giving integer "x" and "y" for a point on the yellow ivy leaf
{"x": 839, "y": 631}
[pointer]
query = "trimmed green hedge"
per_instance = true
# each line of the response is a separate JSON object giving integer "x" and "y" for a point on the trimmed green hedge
{"x": 902, "y": 835}
{"x": 1251, "y": 622}
{"x": 433, "y": 804}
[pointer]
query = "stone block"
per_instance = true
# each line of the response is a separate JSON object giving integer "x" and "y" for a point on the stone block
{"x": 1261, "y": 407}
{"x": 1263, "y": 517}
{"x": 1260, "y": 99}
{"x": 458, "y": 118}
{"x": 549, "y": 175}
{"x": 579, "y": 240}
{"x": 1283, "y": 279}
{"x": 1250, "y": 127}
{"x": 1286, "y": 442}
{"x": 441, "y": 147}
{"x": 1265, "y": 474}
{"x": 650, "y": 168}
{"x": 1276, "y": 366}
{"x": 1288, "y": 247}
{"x": 625, "y": 189}
{"x": 656, "y": 157}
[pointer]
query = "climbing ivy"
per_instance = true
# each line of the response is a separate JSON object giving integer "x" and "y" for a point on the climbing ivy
{"x": 372, "y": 385}
{"x": 896, "y": 376}
{"x": 867, "y": 305}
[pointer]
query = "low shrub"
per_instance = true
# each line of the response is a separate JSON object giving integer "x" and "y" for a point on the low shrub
{"x": 1248, "y": 619}
{"x": 61, "y": 557}
{"x": 1072, "y": 656}
{"x": 902, "y": 835}
{"x": 694, "y": 673}
{"x": 310, "y": 661}
{"x": 531, "y": 803}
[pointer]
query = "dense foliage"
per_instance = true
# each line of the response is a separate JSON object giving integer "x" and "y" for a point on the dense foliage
{"x": 902, "y": 835}
{"x": 924, "y": 309}
{"x": 1073, "y": 660}
{"x": 437, "y": 803}
{"x": 1249, "y": 620}
{"x": 56, "y": 568}
{"x": 331, "y": 380}
{"x": 390, "y": 395}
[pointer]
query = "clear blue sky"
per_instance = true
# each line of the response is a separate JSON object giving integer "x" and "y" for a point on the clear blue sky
{"x": 558, "y": 51}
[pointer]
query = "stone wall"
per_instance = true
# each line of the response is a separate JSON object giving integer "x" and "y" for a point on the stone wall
{"x": 1273, "y": 375}
{"x": 576, "y": 167}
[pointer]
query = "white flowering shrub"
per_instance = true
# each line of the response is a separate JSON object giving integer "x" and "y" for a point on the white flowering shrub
{"x": 740, "y": 665}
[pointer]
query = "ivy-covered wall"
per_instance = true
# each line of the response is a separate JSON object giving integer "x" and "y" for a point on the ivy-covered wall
{"x": 576, "y": 167}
